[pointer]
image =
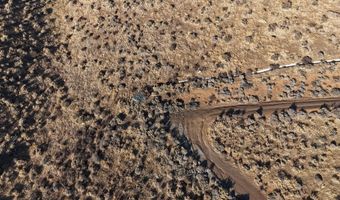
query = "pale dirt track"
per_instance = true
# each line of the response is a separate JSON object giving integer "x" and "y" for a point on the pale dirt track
{"x": 195, "y": 126}
{"x": 87, "y": 88}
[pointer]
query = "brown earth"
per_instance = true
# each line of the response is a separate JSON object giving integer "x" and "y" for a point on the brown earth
{"x": 87, "y": 89}
{"x": 195, "y": 125}
{"x": 291, "y": 155}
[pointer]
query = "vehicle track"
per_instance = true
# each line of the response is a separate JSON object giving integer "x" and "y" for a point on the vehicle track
{"x": 272, "y": 68}
{"x": 194, "y": 124}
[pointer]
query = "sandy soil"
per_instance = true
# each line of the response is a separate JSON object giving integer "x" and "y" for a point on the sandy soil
{"x": 88, "y": 88}
{"x": 197, "y": 126}
{"x": 291, "y": 155}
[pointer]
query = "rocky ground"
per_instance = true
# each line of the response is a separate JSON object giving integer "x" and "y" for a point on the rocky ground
{"x": 292, "y": 155}
{"x": 87, "y": 88}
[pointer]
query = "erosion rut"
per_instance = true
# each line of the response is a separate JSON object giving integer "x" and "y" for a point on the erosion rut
{"x": 195, "y": 125}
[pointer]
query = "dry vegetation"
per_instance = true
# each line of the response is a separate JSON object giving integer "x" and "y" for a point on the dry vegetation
{"x": 87, "y": 89}
{"x": 291, "y": 155}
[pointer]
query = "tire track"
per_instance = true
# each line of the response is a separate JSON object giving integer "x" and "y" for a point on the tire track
{"x": 194, "y": 124}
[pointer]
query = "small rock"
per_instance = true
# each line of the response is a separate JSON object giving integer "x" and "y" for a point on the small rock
{"x": 227, "y": 56}
{"x": 139, "y": 97}
{"x": 307, "y": 60}
{"x": 318, "y": 178}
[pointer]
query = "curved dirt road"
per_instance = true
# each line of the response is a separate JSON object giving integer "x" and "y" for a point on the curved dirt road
{"x": 195, "y": 126}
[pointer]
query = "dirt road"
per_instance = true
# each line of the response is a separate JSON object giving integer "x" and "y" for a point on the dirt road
{"x": 195, "y": 125}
